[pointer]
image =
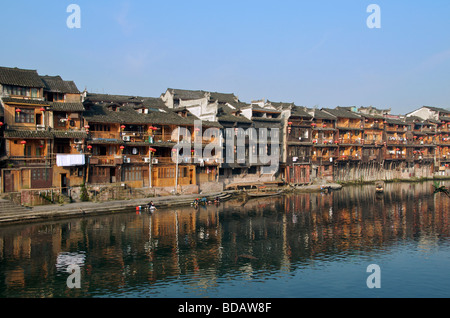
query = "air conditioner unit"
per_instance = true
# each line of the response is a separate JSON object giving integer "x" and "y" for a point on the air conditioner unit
{"x": 126, "y": 138}
{"x": 147, "y": 160}
{"x": 155, "y": 161}
{"x": 127, "y": 160}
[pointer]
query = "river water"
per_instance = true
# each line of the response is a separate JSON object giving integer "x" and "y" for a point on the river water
{"x": 293, "y": 246}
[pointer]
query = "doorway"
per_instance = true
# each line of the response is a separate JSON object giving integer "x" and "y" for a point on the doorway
{"x": 64, "y": 184}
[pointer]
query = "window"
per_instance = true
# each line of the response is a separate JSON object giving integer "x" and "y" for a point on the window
{"x": 61, "y": 118}
{"x": 34, "y": 93}
{"x": 40, "y": 174}
{"x": 166, "y": 173}
{"x": 76, "y": 172}
{"x": 184, "y": 172}
{"x": 133, "y": 173}
{"x": 99, "y": 171}
{"x": 25, "y": 116}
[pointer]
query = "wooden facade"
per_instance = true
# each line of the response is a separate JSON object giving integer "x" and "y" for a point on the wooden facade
{"x": 54, "y": 136}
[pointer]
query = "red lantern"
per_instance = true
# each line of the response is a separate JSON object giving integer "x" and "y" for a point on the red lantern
{"x": 1, "y": 124}
{"x": 122, "y": 147}
{"x": 152, "y": 149}
{"x": 42, "y": 109}
{"x": 18, "y": 110}
{"x": 87, "y": 127}
{"x": 290, "y": 123}
{"x": 123, "y": 126}
{"x": 89, "y": 147}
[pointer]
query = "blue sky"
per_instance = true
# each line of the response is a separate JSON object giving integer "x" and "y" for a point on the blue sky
{"x": 308, "y": 52}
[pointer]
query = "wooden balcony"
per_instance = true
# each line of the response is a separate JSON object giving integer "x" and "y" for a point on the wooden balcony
{"x": 372, "y": 142}
{"x": 396, "y": 129}
{"x": 323, "y": 158}
{"x": 394, "y": 157}
{"x": 373, "y": 126}
{"x": 32, "y": 161}
{"x": 299, "y": 160}
{"x": 349, "y": 126}
{"x": 324, "y": 142}
{"x": 349, "y": 157}
{"x": 397, "y": 142}
{"x": 417, "y": 157}
{"x": 104, "y": 135}
{"x": 350, "y": 141}
{"x": 298, "y": 140}
{"x": 110, "y": 161}
{"x": 423, "y": 143}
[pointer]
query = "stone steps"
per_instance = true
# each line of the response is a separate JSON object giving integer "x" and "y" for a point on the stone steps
{"x": 10, "y": 211}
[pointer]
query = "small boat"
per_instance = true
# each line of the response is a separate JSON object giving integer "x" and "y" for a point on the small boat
{"x": 261, "y": 194}
{"x": 379, "y": 188}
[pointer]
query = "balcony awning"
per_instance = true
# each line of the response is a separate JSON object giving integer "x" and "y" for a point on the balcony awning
{"x": 70, "y": 160}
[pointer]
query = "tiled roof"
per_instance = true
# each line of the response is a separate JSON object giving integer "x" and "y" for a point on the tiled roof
{"x": 264, "y": 119}
{"x": 223, "y": 97}
{"x": 211, "y": 124}
{"x": 394, "y": 121}
{"x": 297, "y": 111}
{"x": 318, "y": 114}
{"x": 127, "y": 115}
{"x": 56, "y": 84}
{"x": 29, "y": 134}
{"x": 438, "y": 109}
{"x": 282, "y": 105}
{"x": 185, "y": 94}
{"x": 67, "y": 107}
{"x": 61, "y": 134}
{"x": 25, "y": 101}
{"x": 20, "y": 77}
{"x": 413, "y": 118}
{"x": 101, "y": 141}
{"x": 341, "y": 113}
{"x": 225, "y": 114}
{"x": 371, "y": 116}
{"x": 120, "y": 99}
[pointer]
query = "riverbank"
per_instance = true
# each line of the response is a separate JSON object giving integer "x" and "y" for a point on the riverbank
{"x": 19, "y": 214}
{"x": 397, "y": 180}
{"x": 15, "y": 214}
{"x": 70, "y": 210}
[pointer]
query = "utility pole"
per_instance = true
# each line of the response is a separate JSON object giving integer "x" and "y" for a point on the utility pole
{"x": 176, "y": 169}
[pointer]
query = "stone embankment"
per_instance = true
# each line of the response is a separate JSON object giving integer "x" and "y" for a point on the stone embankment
{"x": 11, "y": 213}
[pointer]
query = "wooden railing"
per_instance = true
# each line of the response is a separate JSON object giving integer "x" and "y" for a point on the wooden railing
{"x": 32, "y": 161}
{"x": 390, "y": 157}
{"x": 350, "y": 141}
{"x": 388, "y": 128}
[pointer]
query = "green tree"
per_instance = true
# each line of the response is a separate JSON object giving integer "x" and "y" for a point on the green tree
{"x": 84, "y": 195}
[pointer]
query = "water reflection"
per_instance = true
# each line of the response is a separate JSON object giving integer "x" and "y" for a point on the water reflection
{"x": 199, "y": 252}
